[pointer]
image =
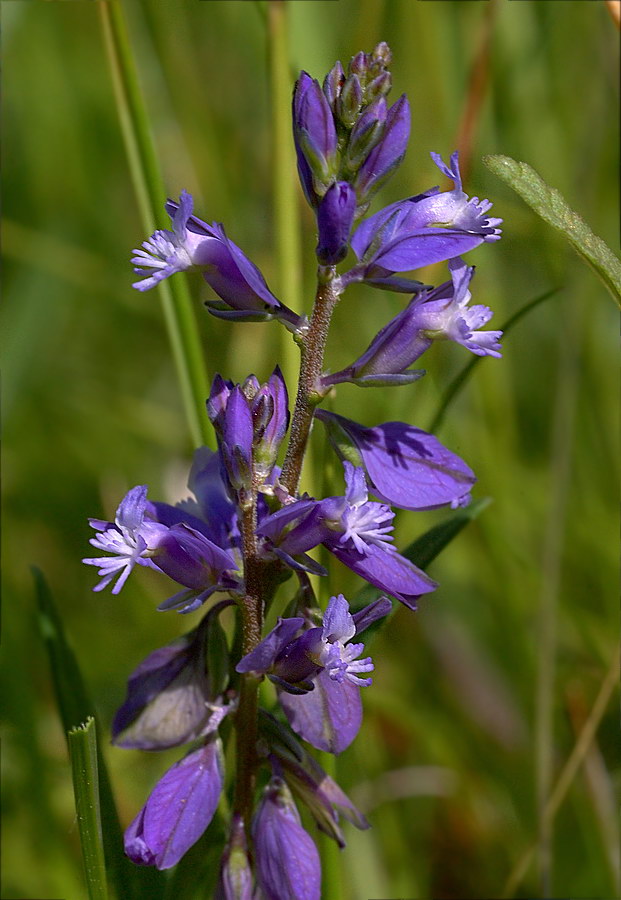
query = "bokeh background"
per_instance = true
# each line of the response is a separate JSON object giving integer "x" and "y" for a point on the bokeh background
{"x": 451, "y": 757}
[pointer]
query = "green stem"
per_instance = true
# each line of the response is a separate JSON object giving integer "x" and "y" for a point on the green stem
{"x": 150, "y": 193}
{"x": 83, "y": 751}
{"x": 313, "y": 345}
{"x": 285, "y": 203}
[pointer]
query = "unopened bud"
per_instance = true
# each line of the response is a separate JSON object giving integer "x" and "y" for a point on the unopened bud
{"x": 349, "y": 103}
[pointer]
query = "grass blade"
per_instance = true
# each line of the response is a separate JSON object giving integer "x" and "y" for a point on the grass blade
{"x": 75, "y": 707}
{"x": 149, "y": 187}
{"x": 83, "y": 752}
{"x": 548, "y": 203}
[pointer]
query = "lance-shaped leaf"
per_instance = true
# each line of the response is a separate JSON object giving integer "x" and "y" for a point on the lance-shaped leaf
{"x": 548, "y": 203}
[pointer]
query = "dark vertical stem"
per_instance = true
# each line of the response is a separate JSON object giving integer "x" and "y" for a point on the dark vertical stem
{"x": 252, "y": 624}
{"x": 313, "y": 345}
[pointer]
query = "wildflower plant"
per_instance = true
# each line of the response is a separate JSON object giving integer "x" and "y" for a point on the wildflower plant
{"x": 247, "y": 531}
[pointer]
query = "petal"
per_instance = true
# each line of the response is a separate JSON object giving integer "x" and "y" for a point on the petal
{"x": 329, "y": 717}
{"x": 179, "y": 809}
{"x": 287, "y": 861}
{"x": 408, "y": 467}
{"x": 264, "y": 654}
{"x": 387, "y": 570}
{"x": 338, "y": 624}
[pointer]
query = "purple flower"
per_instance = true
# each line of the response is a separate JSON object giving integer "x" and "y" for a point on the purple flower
{"x": 405, "y": 466}
{"x": 170, "y": 700}
{"x": 441, "y": 314}
{"x": 286, "y": 859}
{"x": 335, "y": 216}
{"x": 178, "y": 810}
{"x": 131, "y": 539}
{"x": 315, "y": 138}
{"x": 427, "y": 228}
{"x": 192, "y": 244}
{"x": 355, "y": 530}
{"x": 387, "y": 154}
{"x": 319, "y": 672}
{"x": 293, "y": 660}
{"x": 180, "y": 550}
{"x": 251, "y": 421}
{"x": 196, "y": 562}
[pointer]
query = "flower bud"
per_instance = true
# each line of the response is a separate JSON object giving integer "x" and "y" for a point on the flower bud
{"x": 349, "y": 103}
{"x": 367, "y": 132}
{"x": 379, "y": 87}
{"x": 271, "y": 419}
{"x": 333, "y": 84}
{"x": 386, "y": 156}
{"x": 287, "y": 861}
{"x": 235, "y": 873}
{"x": 334, "y": 220}
{"x": 315, "y": 137}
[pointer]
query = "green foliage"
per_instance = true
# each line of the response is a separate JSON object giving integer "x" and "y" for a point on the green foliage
{"x": 83, "y": 752}
{"x": 553, "y": 209}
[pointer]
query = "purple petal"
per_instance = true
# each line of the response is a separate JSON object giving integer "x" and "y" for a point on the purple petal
{"x": 179, "y": 809}
{"x": 328, "y": 717}
{"x": 264, "y": 654}
{"x": 408, "y": 467}
{"x": 287, "y": 861}
{"x": 131, "y": 509}
{"x": 387, "y": 155}
{"x": 387, "y": 570}
{"x": 334, "y": 220}
{"x": 371, "y": 613}
{"x": 338, "y": 624}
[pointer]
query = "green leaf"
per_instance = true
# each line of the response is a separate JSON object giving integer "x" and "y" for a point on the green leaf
{"x": 83, "y": 752}
{"x": 424, "y": 549}
{"x": 548, "y": 203}
{"x": 75, "y": 707}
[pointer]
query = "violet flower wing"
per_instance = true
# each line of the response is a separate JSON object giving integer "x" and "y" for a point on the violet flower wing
{"x": 407, "y": 467}
{"x": 178, "y": 810}
{"x": 328, "y": 717}
{"x": 166, "y": 696}
{"x": 286, "y": 859}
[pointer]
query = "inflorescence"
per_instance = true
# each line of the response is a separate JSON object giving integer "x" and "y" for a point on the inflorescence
{"x": 247, "y": 530}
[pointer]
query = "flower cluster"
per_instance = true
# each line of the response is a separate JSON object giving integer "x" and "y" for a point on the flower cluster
{"x": 246, "y": 530}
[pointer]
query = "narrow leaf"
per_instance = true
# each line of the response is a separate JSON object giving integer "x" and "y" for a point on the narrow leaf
{"x": 83, "y": 752}
{"x": 75, "y": 707}
{"x": 548, "y": 203}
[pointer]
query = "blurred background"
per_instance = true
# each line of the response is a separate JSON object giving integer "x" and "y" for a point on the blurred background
{"x": 455, "y": 759}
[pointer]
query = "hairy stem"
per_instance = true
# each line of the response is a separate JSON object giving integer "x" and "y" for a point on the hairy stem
{"x": 252, "y": 624}
{"x": 312, "y": 345}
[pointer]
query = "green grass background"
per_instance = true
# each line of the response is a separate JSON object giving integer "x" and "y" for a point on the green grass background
{"x": 446, "y": 762}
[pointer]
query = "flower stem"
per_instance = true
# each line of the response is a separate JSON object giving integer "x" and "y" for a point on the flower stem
{"x": 149, "y": 187}
{"x": 312, "y": 345}
{"x": 246, "y": 721}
